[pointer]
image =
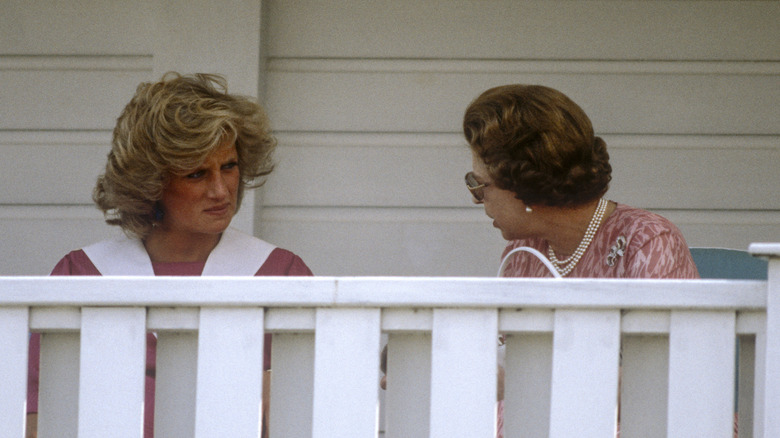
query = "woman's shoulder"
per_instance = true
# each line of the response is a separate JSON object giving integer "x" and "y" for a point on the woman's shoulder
{"x": 284, "y": 262}
{"x": 638, "y": 223}
{"x": 75, "y": 263}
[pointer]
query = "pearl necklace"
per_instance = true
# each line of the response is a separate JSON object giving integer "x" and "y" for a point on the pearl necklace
{"x": 566, "y": 266}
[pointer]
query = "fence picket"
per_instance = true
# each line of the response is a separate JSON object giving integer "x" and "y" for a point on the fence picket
{"x": 13, "y": 369}
{"x": 701, "y": 374}
{"x": 113, "y": 343}
{"x": 345, "y": 372}
{"x": 230, "y": 372}
{"x": 463, "y": 373}
{"x": 586, "y": 345}
{"x": 563, "y": 344}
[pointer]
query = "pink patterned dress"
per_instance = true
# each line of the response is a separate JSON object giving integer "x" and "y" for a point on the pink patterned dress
{"x": 631, "y": 243}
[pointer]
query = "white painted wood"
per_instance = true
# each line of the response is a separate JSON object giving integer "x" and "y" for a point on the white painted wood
{"x": 526, "y": 320}
{"x": 584, "y": 394}
{"x": 301, "y": 100}
{"x": 390, "y": 292}
{"x": 407, "y": 320}
{"x": 408, "y": 394}
{"x": 347, "y": 352}
{"x": 528, "y": 382}
{"x": 463, "y": 367}
{"x": 113, "y": 345}
{"x": 175, "y": 384}
{"x": 58, "y": 394}
{"x": 230, "y": 372}
{"x": 86, "y": 99}
{"x": 770, "y": 343}
{"x": 36, "y": 238}
{"x": 452, "y": 241}
{"x": 466, "y": 318}
{"x": 226, "y": 40}
{"x": 680, "y": 30}
{"x": 647, "y": 322}
{"x": 55, "y": 319}
{"x": 292, "y": 385}
{"x": 294, "y": 320}
{"x": 13, "y": 367}
{"x": 116, "y": 27}
{"x": 173, "y": 319}
{"x": 701, "y": 374}
{"x": 644, "y": 386}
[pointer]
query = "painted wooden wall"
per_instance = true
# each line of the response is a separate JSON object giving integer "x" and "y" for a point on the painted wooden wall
{"x": 367, "y": 99}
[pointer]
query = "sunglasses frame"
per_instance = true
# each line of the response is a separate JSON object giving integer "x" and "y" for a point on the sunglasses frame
{"x": 476, "y": 189}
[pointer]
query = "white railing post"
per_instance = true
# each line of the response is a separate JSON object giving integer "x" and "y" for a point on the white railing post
{"x": 346, "y": 360}
{"x": 563, "y": 345}
{"x": 768, "y": 379}
{"x": 13, "y": 369}
{"x": 586, "y": 355}
{"x": 111, "y": 373}
{"x": 463, "y": 373}
{"x": 701, "y": 373}
{"x": 230, "y": 372}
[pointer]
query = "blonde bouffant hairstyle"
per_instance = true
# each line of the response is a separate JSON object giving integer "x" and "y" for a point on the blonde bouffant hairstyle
{"x": 169, "y": 128}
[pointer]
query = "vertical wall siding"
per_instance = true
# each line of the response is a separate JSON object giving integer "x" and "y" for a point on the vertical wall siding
{"x": 66, "y": 71}
{"x": 368, "y": 98}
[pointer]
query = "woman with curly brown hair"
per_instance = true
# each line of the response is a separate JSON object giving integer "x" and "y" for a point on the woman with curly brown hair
{"x": 541, "y": 174}
{"x": 183, "y": 152}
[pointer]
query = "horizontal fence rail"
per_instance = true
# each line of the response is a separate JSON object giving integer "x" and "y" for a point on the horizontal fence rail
{"x": 581, "y": 357}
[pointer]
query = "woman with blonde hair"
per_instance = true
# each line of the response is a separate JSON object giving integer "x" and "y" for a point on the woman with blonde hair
{"x": 183, "y": 153}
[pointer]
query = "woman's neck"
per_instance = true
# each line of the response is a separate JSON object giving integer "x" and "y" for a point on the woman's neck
{"x": 168, "y": 247}
{"x": 567, "y": 226}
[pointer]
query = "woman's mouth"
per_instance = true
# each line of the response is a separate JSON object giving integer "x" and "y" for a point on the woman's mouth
{"x": 218, "y": 210}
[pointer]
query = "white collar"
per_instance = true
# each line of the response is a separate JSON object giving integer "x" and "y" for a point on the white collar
{"x": 235, "y": 254}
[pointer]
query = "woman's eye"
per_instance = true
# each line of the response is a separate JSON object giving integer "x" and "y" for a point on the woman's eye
{"x": 194, "y": 175}
{"x": 230, "y": 165}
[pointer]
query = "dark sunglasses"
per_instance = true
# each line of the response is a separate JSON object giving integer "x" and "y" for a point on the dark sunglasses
{"x": 477, "y": 190}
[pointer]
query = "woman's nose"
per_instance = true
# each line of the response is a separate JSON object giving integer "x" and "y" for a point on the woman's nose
{"x": 218, "y": 187}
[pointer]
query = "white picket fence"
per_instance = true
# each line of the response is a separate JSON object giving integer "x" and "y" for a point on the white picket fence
{"x": 665, "y": 348}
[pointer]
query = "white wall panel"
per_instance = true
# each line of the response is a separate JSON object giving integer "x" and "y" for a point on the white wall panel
{"x": 540, "y": 29}
{"x": 452, "y": 241}
{"x": 43, "y": 167}
{"x": 67, "y": 93}
{"x": 426, "y": 170}
{"x": 368, "y": 100}
{"x": 94, "y": 27}
{"x": 430, "y": 96}
{"x": 33, "y": 239}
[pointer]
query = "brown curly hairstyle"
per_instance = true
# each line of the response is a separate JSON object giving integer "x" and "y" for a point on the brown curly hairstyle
{"x": 169, "y": 128}
{"x": 539, "y": 144}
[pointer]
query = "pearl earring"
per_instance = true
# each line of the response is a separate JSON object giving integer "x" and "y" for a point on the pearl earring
{"x": 528, "y": 209}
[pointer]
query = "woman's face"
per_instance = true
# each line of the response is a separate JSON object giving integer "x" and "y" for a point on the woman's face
{"x": 204, "y": 200}
{"x": 508, "y": 213}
